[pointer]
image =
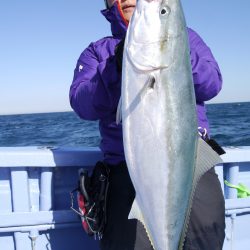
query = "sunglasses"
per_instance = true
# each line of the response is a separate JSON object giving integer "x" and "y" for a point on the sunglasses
{"x": 106, "y": 4}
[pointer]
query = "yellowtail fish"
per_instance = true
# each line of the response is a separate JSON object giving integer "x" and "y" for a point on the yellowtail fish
{"x": 163, "y": 151}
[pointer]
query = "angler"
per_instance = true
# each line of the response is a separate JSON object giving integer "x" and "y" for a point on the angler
{"x": 164, "y": 115}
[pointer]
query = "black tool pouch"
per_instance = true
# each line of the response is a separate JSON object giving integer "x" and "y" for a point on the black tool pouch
{"x": 92, "y": 198}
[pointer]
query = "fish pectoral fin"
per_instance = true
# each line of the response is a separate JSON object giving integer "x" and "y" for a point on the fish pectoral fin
{"x": 135, "y": 212}
{"x": 119, "y": 111}
{"x": 206, "y": 159}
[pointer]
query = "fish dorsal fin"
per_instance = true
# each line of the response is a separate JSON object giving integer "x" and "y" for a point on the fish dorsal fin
{"x": 119, "y": 112}
{"x": 206, "y": 159}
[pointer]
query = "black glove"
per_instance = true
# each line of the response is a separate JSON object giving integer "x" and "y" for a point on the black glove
{"x": 215, "y": 146}
{"x": 119, "y": 54}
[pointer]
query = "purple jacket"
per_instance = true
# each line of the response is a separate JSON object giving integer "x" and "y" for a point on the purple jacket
{"x": 96, "y": 86}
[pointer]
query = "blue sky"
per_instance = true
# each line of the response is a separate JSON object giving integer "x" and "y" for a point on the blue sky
{"x": 42, "y": 40}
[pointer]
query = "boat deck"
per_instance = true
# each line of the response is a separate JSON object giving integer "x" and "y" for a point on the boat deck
{"x": 35, "y": 185}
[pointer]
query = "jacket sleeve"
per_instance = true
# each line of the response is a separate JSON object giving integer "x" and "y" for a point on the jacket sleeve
{"x": 206, "y": 73}
{"x": 91, "y": 93}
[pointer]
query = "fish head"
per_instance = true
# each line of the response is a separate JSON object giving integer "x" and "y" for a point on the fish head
{"x": 152, "y": 33}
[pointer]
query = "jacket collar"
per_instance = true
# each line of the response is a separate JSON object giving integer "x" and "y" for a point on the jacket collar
{"x": 118, "y": 24}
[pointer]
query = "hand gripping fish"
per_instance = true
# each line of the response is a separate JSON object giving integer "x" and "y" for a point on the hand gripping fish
{"x": 164, "y": 153}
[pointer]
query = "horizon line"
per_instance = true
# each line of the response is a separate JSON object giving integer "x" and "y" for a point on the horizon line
{"x": 71, "y": 110}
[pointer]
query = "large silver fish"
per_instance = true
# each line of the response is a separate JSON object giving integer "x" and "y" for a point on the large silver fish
{"x": 164, "y": 154}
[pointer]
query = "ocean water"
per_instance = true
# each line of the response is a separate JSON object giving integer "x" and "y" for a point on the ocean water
{"x": 229, "y": 125}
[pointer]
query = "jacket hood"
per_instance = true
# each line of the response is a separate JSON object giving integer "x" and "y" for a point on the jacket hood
{"x": 118, "y": 23}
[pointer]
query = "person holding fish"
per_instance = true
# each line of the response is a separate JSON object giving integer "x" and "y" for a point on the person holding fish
{"x": 94, "y": 95}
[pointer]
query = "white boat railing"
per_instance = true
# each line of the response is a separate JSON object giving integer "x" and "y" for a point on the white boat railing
{"x": 35, "y": 204}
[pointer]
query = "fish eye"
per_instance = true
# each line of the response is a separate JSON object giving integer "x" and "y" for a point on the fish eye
{"x": 164, "y": 11}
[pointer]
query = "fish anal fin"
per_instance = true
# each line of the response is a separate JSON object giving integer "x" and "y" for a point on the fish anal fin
{"x": 135, "y": 213}
{"x": 206, "y": 159}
